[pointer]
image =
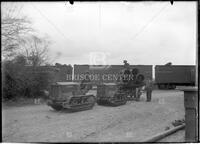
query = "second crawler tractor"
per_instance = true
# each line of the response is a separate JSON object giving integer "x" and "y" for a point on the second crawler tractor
{"x": 126, "y": 88}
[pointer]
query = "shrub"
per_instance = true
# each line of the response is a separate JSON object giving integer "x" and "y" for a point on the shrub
{"x": 18, "y": 81}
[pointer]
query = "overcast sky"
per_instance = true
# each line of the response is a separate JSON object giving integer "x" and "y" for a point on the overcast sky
{"x": 140, "y": 32}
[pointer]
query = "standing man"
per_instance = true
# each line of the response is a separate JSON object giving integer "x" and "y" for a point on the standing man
{"x": 126, "y": 64}
{"x": 149, "y": 87}
{"x": 138, "y": 93}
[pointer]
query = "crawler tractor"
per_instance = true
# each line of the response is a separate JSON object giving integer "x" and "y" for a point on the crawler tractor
{"x": 71, "y": 96}
{"x": 126, "y": 88}
{"x": 110, "y": 94}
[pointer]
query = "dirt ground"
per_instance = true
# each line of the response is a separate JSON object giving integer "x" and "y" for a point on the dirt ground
{"x": 132, "y": 122}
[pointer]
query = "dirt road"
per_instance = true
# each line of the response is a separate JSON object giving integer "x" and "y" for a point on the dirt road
{"x": 131, "y": 122}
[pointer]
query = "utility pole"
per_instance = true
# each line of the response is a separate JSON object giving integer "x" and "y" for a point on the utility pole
{"x": 197, "y": 65}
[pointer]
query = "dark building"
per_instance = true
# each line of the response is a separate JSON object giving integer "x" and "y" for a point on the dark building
{"x": 106, "y": 73}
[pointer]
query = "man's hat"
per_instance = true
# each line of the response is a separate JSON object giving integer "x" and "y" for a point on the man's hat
{"x": 125, "y": 61}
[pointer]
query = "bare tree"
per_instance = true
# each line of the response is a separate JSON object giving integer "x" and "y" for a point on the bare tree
{"x": 21, "y": 46}
{"x": 12, "y": 28}
{"x": 35, "y": 49}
